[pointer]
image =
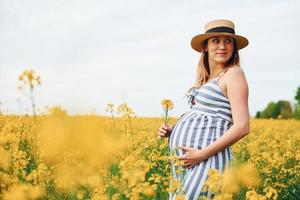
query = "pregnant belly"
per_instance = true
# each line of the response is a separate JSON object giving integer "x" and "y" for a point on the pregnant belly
{"x": 196, "y": 131}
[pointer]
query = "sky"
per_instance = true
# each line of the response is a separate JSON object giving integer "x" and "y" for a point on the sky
{"x": 93, "y": 52}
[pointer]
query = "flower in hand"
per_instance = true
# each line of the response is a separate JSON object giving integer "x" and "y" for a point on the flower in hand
{"x": 167, "y": 105}
{"x": 165, "y": 129}
{"x": 192, "y": 156}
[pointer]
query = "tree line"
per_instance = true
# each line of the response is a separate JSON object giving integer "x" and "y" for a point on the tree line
{"x": 281, "y": 109}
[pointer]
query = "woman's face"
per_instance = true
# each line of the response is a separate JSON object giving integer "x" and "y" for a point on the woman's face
{"x": 220, "y": 49}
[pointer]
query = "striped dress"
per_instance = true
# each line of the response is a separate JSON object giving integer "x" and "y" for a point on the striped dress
{"x": 208, "y": 118}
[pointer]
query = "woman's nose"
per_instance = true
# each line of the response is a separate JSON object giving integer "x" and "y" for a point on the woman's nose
{"x": 221, "y": 45}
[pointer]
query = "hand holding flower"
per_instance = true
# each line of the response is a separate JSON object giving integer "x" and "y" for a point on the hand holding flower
{"x": 165, "y": 129}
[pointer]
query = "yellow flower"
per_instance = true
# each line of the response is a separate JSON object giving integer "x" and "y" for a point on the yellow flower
{"x": 80, "y": 195}
{"x": 180, "y": 197}
{"x": 167, "y": 104}
{"x": 148, "y": 190}
{"x": 116, "y": 196}
{"x": 4, "y": 158}
{"x": 271, "y": 193}
{"x": 230, "y": 182}
{"x": 252, "y": 195}
{"x": 213, "y": 180}
{"x": 248, "y": 175}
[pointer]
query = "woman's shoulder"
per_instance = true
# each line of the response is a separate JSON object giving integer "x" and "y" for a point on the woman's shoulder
{"x": 234, "y": 72}
{"x": 235, "y": 75}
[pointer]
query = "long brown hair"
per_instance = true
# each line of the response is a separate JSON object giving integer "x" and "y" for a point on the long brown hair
{"x": 203, "y": 72}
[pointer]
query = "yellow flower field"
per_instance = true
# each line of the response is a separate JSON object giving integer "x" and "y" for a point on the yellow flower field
{"x": 120, "y": 157}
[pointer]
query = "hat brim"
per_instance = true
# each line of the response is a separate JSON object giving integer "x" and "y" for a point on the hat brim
{"x": 197, "y": 41}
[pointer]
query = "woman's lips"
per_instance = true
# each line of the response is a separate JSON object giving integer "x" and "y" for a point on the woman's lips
{"x": 221, "y": 53}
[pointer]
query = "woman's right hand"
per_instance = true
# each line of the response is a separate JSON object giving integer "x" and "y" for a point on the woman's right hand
{"x": 164, "y": 131}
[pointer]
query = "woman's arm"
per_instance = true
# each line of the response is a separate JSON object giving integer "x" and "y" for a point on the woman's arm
{"x": 237, "y": 92}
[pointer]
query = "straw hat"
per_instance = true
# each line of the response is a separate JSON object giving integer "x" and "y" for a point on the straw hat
{"x": 219, "y": 27}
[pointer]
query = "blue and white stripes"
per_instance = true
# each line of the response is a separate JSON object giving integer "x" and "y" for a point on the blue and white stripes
{"x": 207, "y": 120}
{"x": 210, "y": 99}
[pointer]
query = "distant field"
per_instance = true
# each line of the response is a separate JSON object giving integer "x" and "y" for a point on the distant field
{"x": 92, "y": 157}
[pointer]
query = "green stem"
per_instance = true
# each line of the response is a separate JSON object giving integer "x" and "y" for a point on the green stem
{"x": 166, "y": 116}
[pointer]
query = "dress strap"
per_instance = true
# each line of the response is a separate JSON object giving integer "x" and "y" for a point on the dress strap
{"x": 217, "y": 78}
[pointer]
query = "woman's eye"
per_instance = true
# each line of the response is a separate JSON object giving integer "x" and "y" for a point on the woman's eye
{"x": 215, "y": 40}
{"x": 228, "y": 40}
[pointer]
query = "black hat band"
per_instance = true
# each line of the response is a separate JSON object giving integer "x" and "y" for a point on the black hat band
{"x": 221, "y": 29}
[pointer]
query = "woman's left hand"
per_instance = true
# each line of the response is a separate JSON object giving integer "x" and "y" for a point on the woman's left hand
{"x": 191, "y": 157}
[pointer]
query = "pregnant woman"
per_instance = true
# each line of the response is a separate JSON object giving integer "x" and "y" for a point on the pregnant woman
{"x": 218, "y": 116}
